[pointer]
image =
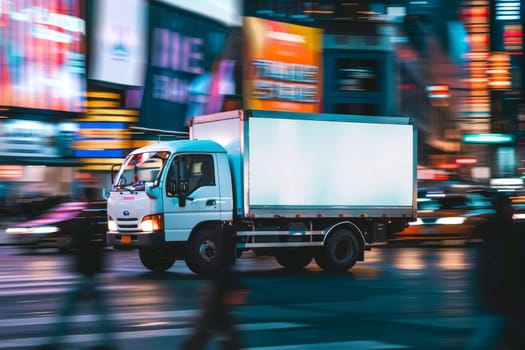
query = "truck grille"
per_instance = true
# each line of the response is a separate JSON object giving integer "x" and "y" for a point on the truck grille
{"x": 128, "y": 224}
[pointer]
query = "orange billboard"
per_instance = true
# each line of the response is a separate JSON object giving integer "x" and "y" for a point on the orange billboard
{"x": 282, "y": 66}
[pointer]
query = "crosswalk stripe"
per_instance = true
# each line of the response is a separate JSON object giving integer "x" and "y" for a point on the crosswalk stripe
{"x": 15, "y": 278}
{"x": 51, "y": 288}
{"x": 457, "y": 322}
{"x": 33, "y": 291}
{"x": 352, "y": 344}
{"x": 90, "y": 317}
{"x": 34, "y": 284}
{"x": 128, "y": 335}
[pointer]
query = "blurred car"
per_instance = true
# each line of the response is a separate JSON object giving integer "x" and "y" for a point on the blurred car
{"x": 456, "y": 216}
{"x": 55, "y": 228}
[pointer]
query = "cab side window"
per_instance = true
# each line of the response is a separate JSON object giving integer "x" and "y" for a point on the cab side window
{"x": 192, "y": 171}
{"x": 201, "y": 172}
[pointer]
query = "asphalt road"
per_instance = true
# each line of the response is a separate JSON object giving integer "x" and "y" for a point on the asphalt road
{"x": 399, "y": 298}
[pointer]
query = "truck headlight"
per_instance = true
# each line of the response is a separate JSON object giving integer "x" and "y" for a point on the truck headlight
{"x": 152, "y": 223}
{"x": 112, "y": 225}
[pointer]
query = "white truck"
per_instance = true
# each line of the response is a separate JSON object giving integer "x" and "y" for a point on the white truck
{"x": 296, "y": 186}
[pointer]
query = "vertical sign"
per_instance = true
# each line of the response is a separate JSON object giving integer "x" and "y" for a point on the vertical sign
{"x": 282, "y": 66}
{"x": 119, "y": 41}
{"x": 184, "y": 64}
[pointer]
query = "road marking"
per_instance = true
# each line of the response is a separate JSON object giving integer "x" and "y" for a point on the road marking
{"x": 452, "y": 322}
{"x": 16, "y": 278}
{"x": 34, "y": 291}
{"x": 352, "y": 344}
{"x": 52, "y": 288}
{"x": 34, "y": 284}
{"x": 125, "y": 336}
{"x": 90, "y": 317}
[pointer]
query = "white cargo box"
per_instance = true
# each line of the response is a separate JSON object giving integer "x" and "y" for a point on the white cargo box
{"x": 316, "y": 165}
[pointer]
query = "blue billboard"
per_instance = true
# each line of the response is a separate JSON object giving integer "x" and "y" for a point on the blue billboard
{"x": 188, "y": 68}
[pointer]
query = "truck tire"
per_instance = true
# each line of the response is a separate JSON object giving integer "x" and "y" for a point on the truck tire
{"x": 152, "y": 260}
{"x": 202, "y": 255}
{"x": 293, "y": 259}
{"x": 341, "y": 251}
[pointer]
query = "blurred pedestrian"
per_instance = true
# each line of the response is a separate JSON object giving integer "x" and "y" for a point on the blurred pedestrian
{"x": 500, "y": 281}
{"x": 88, "y": 264}
{"x": 225, "y": 291}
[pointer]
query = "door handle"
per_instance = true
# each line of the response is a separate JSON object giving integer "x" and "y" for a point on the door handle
{"x": 210, "y": 202}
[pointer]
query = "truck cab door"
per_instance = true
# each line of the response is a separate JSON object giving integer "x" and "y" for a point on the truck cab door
{"x": 192, "y": 194}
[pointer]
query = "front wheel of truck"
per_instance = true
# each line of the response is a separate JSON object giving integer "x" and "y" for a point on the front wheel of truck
{"x": 154, "y": 261}
{"x": 202, "y": 254}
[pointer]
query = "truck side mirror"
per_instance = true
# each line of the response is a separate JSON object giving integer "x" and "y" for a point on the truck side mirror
{"x": 172, "y": 187}
{"x": 180, "y": 186}
{"x": 105, "y": 193}
{"x": 182, "y": 190}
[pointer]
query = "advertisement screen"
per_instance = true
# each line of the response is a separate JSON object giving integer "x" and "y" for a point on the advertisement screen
{"x": 282, "y": 68}
{"x": 118, "y": 42}
{"x": 190, "y": 67}
{"x": 42, "y": 58}
{"x": 33, "y": 139}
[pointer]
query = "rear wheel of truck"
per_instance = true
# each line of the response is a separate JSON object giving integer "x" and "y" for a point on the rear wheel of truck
{"x": 154, "y": 261}
{"x": 341, "y": 251}
{"x": 293, "y": 259}
{"x": 202, "y": 253}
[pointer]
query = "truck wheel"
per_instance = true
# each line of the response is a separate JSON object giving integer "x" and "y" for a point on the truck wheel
{"x": 152, "y": 260}
{"x": 341, "y": 250}
{"x": 202, "y": 255}
{"x": 293, "y": 259}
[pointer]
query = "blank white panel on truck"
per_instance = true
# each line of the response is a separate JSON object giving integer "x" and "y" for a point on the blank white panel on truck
{"x": 309, "y": 164}
{"x": 329, "y": 163}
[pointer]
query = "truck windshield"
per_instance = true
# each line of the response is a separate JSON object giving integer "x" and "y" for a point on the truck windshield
{"x": 140, "y": 169}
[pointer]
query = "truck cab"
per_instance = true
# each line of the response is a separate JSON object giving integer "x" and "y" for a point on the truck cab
{"x": 165, "y": 197}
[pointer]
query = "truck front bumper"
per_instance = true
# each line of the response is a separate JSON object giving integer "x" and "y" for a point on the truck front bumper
{"x": 135, "y": 239}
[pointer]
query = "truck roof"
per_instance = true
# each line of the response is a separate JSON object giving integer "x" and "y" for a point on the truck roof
{"x": 183, "y": 146}
{"x": 245, "y": 114}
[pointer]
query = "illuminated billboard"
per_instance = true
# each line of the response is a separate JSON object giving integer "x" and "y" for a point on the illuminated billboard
{"x": 282, "y": 66}
{"x": 118, "y": 43}
{"x": 189, "y": 68}
{"x": 42, "y": 59}
{"x": 30, "y": 140}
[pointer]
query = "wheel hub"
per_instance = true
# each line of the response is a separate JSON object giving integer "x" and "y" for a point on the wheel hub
{"x": 207, "y": 251}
